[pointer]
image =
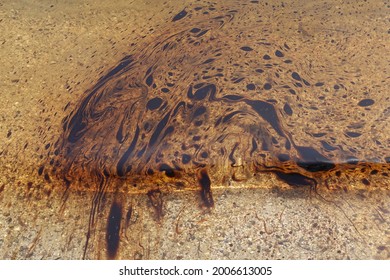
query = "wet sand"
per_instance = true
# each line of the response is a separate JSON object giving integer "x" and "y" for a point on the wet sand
{"x": 54, "y": 53}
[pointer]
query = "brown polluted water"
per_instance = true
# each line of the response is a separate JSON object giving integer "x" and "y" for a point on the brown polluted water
{"x": 216, "y": 98}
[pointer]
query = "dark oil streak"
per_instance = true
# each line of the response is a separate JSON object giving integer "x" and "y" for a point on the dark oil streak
{"x": 148, "y": 71}
{"x": 205, "y": 183}
{"x": 195, "y": 30}
{"x": 128, "y": 216}
{"x": 122, "y": 64}
{"x": 198, "y": 112}
{"x": 296, "y": 179}
{"x": 154, "y": 103}
{"x": 231, "y": 115}
{"x": 169, "y": 130}
{"x": 231, "y": 156}
{"x": 267, "y": 112}
{"x": 327, "y": 146}
{"x": 113, "y": 229}
{"x": 149, "y": 80}
{"x": 202, "y": 92}
{"x": 233, "y": 97}
{"x": 254, "y": 146}
{"x": 122, "y": 161}
{"x": 177, "y": 108}
{"x": 119, "y": 135}
{"x": 202, "y": 33}
{"x": 238, "y": 80}
{"x": 312, "y": 160}
{"x": 158, "y": 129}
{"x": 180, "y": 15}
{"x": 169, "y": 171}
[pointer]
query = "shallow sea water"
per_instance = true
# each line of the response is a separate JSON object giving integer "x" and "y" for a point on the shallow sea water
{"x": 195, "y": 130}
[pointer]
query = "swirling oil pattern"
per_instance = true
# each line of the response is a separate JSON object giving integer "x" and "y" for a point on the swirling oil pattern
{"x": 217, "y": 97}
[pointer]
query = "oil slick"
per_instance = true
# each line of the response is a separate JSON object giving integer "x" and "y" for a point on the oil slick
{"x": 191, "y": 106}
{"x": 113, "y": 229}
